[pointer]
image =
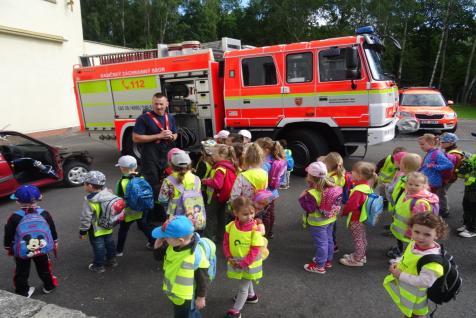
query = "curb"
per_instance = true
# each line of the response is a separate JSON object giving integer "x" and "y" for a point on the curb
{"x": 12, "y": 305}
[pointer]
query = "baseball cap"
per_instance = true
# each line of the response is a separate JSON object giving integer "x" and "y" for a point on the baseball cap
{"x": 208, "y": 146}
{"x": 262, "y": 195}
{"x": 127, "y": 162}
{"x": 399, "y": 156}
{"x": 181, "y": 159}
{"x": 26, "y": 194}
{"x": 245, "y": 133}
{"x": 222, "y": 134}
{"x": 449, "y": 138}
{"x": 176, "y": 227}
{"x": 317, "y": 169}
{"x": 94, "y": 177}
{"x": 172, "y": 152}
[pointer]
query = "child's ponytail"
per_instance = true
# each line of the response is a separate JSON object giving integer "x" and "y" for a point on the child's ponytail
{"x": 277, "y": 151}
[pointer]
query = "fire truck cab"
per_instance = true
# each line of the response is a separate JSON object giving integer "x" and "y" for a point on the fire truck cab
{"x": 319, "y": 96}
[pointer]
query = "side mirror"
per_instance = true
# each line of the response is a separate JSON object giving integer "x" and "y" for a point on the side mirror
{"x": 450, "y": 102}
{"x": 352, "y": 58}
{"x": 352, "y": 74}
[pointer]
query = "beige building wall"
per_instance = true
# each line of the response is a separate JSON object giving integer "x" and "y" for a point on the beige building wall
{"x": 40, "y": 41}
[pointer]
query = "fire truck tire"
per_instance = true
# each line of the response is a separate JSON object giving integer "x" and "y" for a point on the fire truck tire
{"x": 131, "y": 148}
{"x": 306, "y": 146}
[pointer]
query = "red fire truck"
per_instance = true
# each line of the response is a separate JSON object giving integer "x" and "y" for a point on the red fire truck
{"x": 320, "y": 96}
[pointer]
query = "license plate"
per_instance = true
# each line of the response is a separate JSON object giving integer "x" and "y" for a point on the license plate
{"x": 429, "y": 122}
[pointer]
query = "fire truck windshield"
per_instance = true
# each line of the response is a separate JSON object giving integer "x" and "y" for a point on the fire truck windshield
{"x": 376, "y": 64}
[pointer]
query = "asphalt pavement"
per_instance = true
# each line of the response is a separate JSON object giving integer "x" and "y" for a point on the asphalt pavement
{"x": 134, "y": 288}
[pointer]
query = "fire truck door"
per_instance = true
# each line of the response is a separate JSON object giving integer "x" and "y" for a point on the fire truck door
{"x": 299, "y": 100}
{"x": 97, "y": 104}
{"x": 342, "y": 87}
{"x": 260, "y": 101}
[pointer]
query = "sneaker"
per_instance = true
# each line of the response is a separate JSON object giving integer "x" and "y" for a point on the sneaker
{"x": 313, "y": 268}
{"x": 364, "y": 259}
{"x": 351, "y": 262}
{"x": 46, "y": 291}
{"x": 232, "y": 313}
{"x": 328, "y": 265}
{"x": 111, "y": 262}
{"x": 250, "y": 300}
{"x": 394, "y": 252}
{"x": 395, "y": 260}
{"x": 149, "y": 246}
{"x": 30, "y": 292}
{"x": 461, "y": 228}
{"x": 96, "y": 268}
{"x": 467, "y": 234}
{"x": 120, "y": 254}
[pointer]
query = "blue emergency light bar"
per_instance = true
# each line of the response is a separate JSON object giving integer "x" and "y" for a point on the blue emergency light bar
{"x": 365, "y": 30}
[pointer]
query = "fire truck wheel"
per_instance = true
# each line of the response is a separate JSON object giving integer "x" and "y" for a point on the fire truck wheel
{"x": 306, "y": 146}
{"x": 131, "y": 148}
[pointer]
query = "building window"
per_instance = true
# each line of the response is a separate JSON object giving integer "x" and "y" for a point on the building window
{"x": 334, "y": 67}
{"x": 259, "y": 71}
{"x": 299, "y": 68}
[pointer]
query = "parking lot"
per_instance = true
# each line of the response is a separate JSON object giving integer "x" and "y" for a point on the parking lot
{"x": 134, "y": 288}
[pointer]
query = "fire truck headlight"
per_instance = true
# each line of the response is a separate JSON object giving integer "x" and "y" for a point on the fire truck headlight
{"x": 406, "y": 114}
{"x": 450, "y": 116}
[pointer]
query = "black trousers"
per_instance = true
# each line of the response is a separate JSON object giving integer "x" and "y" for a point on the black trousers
{"x": 153, "y": 172}
{"x": 124, "y": 229}
{"x": 22, "y": 272}
{"x": 469, "y": 208}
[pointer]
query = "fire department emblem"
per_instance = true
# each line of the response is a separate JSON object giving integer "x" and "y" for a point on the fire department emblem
{"x": 298, "y": 101}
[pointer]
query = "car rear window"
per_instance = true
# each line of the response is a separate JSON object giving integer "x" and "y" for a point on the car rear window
{"x": 422, "y": 100}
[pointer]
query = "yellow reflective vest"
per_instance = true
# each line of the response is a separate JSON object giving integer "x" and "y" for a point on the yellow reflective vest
{"x": 388, "y": 170}
{"x": 410, "y": 300}
{"x": 257, "y": 177}
{"x": 240, "y": 245}
{"x": 364, "y": 188}
{"x": 188, "y": 184}
{"x": 402, "y": 215}
{"x": 179, "y": 274}
{"x": 131, "y": 215}
{"x": 316, "y": 218}
{"x": 98, "y": 231}
{"x": 210, "y": 190}
{"x": 397, "y": 192}
{"x": 339, "y": 181}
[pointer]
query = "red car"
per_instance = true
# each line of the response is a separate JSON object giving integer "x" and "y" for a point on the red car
{"x": 25, "y": 160}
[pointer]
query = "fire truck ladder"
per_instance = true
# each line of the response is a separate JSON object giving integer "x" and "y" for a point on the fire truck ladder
{"x": 111, "y": 58}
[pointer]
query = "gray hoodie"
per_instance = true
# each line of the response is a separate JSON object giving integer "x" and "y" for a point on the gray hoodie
{"x": 88, "y": 217}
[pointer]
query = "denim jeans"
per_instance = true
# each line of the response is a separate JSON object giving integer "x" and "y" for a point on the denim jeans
{"x": 103, "y": 248}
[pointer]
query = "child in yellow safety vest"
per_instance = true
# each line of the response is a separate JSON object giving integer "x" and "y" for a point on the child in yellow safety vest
{"x": 186, "y": 280}
{"x": 321, "y": 205}
{"x": 410, "y": 162}
{"x": 221, "y": 181}
{"x": 386, "y": 170}
{"x": 356, "y": 211}
{"x": 128, "y": 167}
{"x": 406, "y": 285}
{"x": 253, "y": 178}
{"x": 335, "y": 169}
{"x": 243, "y": 247}
{"x": 415, "y": 199}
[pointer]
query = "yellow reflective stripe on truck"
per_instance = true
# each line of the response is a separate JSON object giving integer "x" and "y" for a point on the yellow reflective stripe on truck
{"x": 100, "y": 124}
{"x": 93, "y": 87}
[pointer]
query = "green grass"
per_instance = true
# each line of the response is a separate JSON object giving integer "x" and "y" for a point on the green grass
{"x": 465, "y": 111}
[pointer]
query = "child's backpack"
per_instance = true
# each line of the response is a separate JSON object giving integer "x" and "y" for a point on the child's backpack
{"x": 347, "y": 187}
{"x": 374, "y": 206}
{"x": 457, "y": 163}
{"x": 331, "y": 202}
{"x": 278, "y": 168}
{"x": 447, "y": 286}
{"x": 435, "y": 207}
{"x": 110, "y": 215}
{"x": 33, "y": 235}
{"x": 139, "y": 195}
{"x": 289, "y": 159}
{"x": 191, "y": 203}
{"x": 447, "y": 174}
{"x": 210, "y": 253}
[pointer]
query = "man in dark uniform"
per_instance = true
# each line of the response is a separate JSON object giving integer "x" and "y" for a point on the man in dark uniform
{"x": 156, "y": 131}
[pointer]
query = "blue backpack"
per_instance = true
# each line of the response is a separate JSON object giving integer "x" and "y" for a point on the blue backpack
{"x": 33, "y": 235}
{"x": 289, "y": 159}
{"x": 210, "y": 253}
{"x": 139, "y": 195}
{"x": 374, "y": 205}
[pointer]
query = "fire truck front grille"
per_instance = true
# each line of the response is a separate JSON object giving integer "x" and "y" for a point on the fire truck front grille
{"x": 425, "y": 116}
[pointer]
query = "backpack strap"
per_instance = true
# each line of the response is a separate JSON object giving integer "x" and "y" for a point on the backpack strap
{"x": 197, "y": 251}
{"x": 22, "y": 212}
{"x": 174, "y": 182}
{"x": 198, "y": 184}
{"x": 432, "y": 258}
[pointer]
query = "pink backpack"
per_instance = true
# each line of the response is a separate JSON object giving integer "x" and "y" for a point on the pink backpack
{"x": 331, "y": 201}
{"x": 278, "y": 168}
